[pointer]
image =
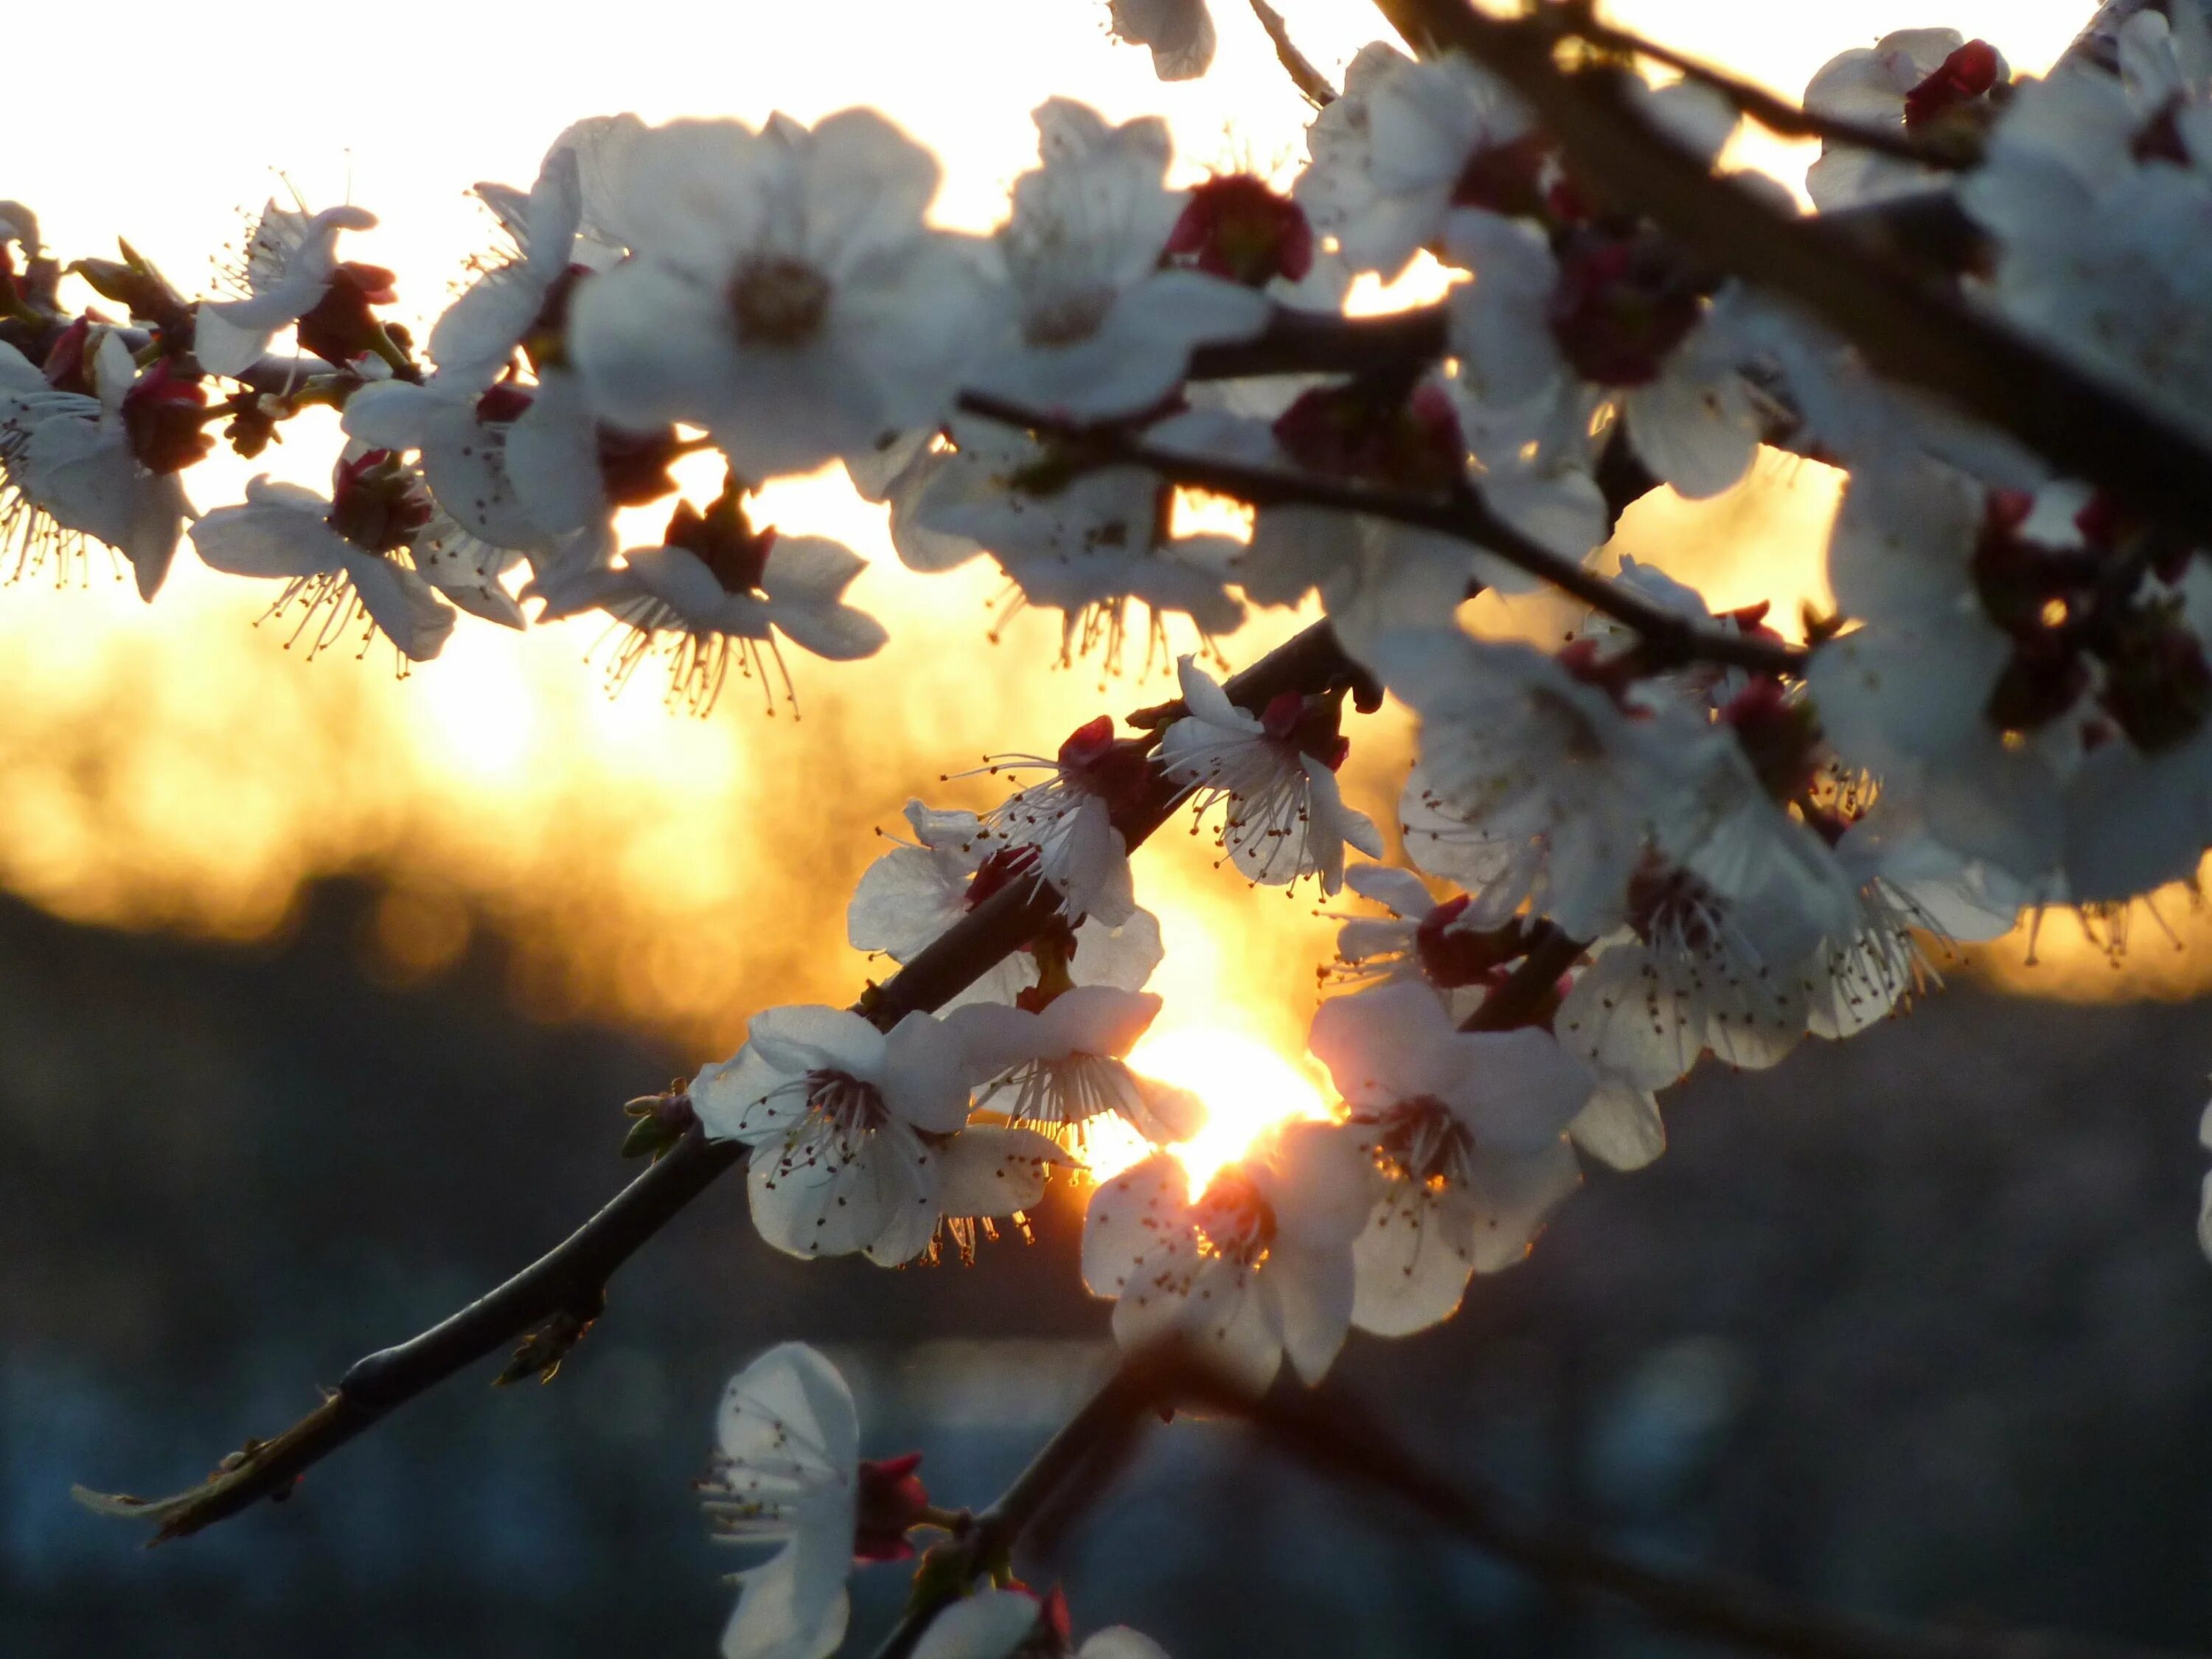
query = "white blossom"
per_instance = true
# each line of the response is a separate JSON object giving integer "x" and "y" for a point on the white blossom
{"x": 1063, "y": 1065}
{"x": 786, "y": 1474}
{"x": 856, "y": 1133}
{"x": 782, "y": 291}
{"x": 913, "y": 893}
{"x": 1283, "y": 818}
{"x": 1257, "y": 1266}
{"x": 1469, "y": 1130}
{"x": 336, "y": 555}
{"x": 289, "y": 262}
{"x": 68, "y": 469}
{"x": 1907, "y": 81}
{"x": 997, "y": 1624}
{"x": 1179, "y": 32}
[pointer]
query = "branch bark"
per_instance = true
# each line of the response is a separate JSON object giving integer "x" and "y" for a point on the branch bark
{"x": 1908, "y": 329}
{"x": 571, "y": 1280}
{"x": 1669, "y": 640}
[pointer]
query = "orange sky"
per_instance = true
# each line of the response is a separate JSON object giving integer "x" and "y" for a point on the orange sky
{"x": 174, "y": 765}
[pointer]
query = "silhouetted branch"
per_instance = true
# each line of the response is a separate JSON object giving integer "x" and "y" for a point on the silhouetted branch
{"x": 569, "y": 1283}
{"x": 1907, "y": 328}
{"x": 1667, "y": 638}
{"x": 1331, "y": 1435}
{"x": 1777, "y": 115}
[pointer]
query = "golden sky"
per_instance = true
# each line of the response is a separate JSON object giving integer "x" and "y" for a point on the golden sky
{"x": 176, "y": 766}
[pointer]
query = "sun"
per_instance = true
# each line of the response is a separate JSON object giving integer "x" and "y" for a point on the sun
{"x": 1246, "y": 1085}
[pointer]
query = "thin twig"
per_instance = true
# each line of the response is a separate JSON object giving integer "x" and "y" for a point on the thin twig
{"x": 1775, "y": 114}
{"x": 1906, "y": 329}
{"x": 1137, "y": 1386}
{"x": 571, "y": 1279}
{"x": 1304, "y": 75}
{"x": 1668, "y": 640}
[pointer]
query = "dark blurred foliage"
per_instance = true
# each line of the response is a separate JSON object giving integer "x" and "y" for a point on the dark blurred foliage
{"x": 1915, "y": 1324}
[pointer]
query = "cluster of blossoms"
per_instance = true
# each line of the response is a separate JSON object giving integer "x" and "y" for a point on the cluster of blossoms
{"x": 1675, "y": 833}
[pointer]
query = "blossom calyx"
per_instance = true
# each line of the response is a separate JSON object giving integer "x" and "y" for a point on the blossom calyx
{"x": 378, "y": 503}
{"x": 1119, "y": 770}
{"x": 657, "y": 1121}
{"x": 163, "y": 412}
{"x": 1236, "y": 229}
{"x": 889, "y": 1501}
{"x": 723, "y": 540}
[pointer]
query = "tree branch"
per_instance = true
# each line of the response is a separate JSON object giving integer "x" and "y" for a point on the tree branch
{"x": 1668, "y": 639}
{"x": 1777, "y": 115}
{"x": 1304, "y": 75}
{"x": 1332, "y": 1436}
{"x": 571, "y": 1279}
{"x": 1905, "y": 328}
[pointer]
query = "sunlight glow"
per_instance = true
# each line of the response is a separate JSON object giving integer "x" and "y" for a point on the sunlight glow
{"x": 1248, "y": 1087}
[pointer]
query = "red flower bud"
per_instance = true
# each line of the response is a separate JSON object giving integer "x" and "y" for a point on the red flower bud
{"x": 890, "y": 1499}
{"x": 1235, "y": 228}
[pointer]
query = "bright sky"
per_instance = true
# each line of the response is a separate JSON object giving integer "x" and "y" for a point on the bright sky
{"x": 174, "y": 764}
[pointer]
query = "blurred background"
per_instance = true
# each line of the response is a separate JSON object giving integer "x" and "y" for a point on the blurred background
{"x": 319, "y": 990}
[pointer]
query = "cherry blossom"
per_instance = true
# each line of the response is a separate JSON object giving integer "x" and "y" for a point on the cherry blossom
{"x": 1533, "y": 786}
{"x": 1275, "y": 776}
{"x": 782, "y": 292}
{"x": 1179, "y": 32}
{"x": 788, "y": 1472}
{"x": 1057, "y": 1060}
{"x": 856, "y": 1133}
{"x": 913, "y": 893}
{"x": 1068, "y": 818}
{"x": 1559, "y": 332}
{"x": 2096, "y": 216}
{"x": 291, "y": 269}
{"x": 1256, "y": 1266}
{"x": 476, "y": 338}
{"x": 1470, "y": 1131}
{"x": 1914, "y": 80}
{"x": 1089, "y": 542}
{"x": 1406, "y": 142}
{"x": 722, "y": 592}
{"x": 1104, "y": 321}
{"x": 104, "y": 465}
{"x": 339, "y": 556}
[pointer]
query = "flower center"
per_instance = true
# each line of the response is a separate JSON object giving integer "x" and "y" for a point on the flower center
{"x": 849, "y": 1107}
{"x": 1236, "y": 229}
{"x": 777, "y": 301}
{"x": 1421, "y": 1141}
{"x": 1237, "y": 1224}
{"x": 1623, "y": 302}
{"x": 1067, "y": 318}
{"x": 376, "y": 503}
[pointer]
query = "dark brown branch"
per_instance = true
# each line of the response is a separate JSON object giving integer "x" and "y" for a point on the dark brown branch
{"x": 1905, "y": 328}
{"x": 1297, "y": 342}
{"x": 1532, "y": 985}
{"x": 1777, "y": 115}
{"x": 571, "y": 1279}
{"x": 1668, "y": 640}
{"x": 1139, "y": 1385}
{"x": 1304, "y": 77}
{"x": 1331, "y": 1435}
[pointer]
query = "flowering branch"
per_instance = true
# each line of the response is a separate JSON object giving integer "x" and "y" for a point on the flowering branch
{"x": 1951, "y": 150}
{"x": 1668, "y": 639}
{"x": 1904, "y": 327}
{"x": 568, "y": 1284}
{"x": 1334, "y": 1438}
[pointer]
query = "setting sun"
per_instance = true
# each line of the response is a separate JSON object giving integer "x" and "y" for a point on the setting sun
{"x": 1246, "y": 1086}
